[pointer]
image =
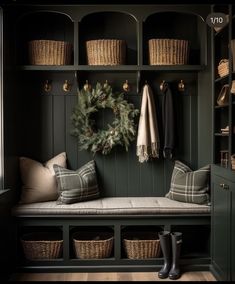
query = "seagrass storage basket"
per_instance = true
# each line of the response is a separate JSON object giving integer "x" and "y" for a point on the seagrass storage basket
{"x": 106, "y": 52}
{"x": 168, "y": 51}
{"x": 49, "y": 52}
{"x": 233, "y": 162}
{"x": 88, "y": 245}
{"x": 233, "y": 87}
{"x": 223, "y": 67}
{"x": 42, "y": 245}
{"x": 141, "y": 245}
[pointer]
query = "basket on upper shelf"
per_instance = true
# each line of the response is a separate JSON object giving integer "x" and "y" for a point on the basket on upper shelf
{"x": 233, "y": 161}
{"x": 42, "y": 245}
{"x": 106, "y": 52}
{"x": 49, "y": 52}
{"x": 168, "y": 51}
{"x": 223, "y": 67}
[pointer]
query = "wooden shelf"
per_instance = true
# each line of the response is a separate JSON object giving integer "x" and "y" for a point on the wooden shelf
{"x": 220, "y": 79}
{"x": 219, "y": 107}
{"x": 47, "y": 67}
{"x": 133, "y": 68}
{"x": 220, "y": 134}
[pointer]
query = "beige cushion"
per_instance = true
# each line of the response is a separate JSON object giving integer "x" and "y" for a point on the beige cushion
{"x": 39, "y": 181}
{"x": 113, "y": 205}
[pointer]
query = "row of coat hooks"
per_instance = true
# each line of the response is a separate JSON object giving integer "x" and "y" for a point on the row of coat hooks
{"x": 67, "y": 86}
{"x": 164, "y": 86}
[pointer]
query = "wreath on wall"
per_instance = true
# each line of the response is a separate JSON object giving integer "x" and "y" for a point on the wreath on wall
{"x": 122, "y": 130}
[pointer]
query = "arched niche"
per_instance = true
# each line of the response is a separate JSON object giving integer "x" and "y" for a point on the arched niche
{"x": 109, "y": 25}
{"x": 177, "y": 25}
{"x": 48, "y": 25}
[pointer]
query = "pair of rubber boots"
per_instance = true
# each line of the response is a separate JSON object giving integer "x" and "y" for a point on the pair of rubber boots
{"x": 171, "y": 247}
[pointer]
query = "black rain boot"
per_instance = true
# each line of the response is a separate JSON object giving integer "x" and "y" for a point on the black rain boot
{"x": 165, "y": 242}
{"x": 176, "y": 240}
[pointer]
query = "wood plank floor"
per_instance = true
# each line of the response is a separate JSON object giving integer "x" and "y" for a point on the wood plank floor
{"x": 110, "y": 276}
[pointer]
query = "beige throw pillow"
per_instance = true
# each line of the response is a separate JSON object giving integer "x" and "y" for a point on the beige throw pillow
{"x": 39, "y": 181}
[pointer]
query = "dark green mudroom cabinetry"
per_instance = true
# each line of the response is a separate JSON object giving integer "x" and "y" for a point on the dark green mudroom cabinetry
{"x": 223, "y": 223}
{"x": 222, "y": 171}
{"x": 40, "y": 120}
{"x": 37, "y": 123}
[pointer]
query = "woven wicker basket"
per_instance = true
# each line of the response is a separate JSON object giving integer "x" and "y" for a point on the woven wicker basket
{"x": 42, "y": 245}
{"x": 142, "y": 245}
{"x": 233, "y": 161}
{"x": 89, "y": 245}
{"x": 168, "y": 51}
{"x": 49, "y": 52}
{"x": 233, "y": 87}
{"x": 223, "y": 67}
{"x": 106, "y": 52}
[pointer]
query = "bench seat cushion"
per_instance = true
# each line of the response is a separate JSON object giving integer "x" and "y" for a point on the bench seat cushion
{"x": 112, "y": 206}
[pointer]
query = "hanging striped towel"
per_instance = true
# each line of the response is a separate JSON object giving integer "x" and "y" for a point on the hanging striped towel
{"x": 148, "y": 142}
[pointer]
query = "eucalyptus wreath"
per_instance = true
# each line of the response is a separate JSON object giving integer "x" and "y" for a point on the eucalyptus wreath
{"x": 120, "y": 132}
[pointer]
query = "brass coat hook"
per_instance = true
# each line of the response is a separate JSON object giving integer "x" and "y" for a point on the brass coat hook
{"x": 87, "y": 86}
{"x": 47, "y": 86}
{"x": 106, "y": 84}
{"x": 66, "y": 86}
{"x": 181, "y": 86}
{"x": 126, "y": 86}
{"x": 163, "y": 86}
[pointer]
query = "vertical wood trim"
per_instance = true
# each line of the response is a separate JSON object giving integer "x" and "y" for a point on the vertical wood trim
{"x": 139, "y": 42}
{"x": 117, "y": 242}
{"x": 66, "y": 243}
{"x": 71, "y": 142}
{"x": 213, "y": 91}
{"x": 230, "y": 119}
{"x": 59, "y": 119}
{"x": 50, "y": 134}
{"x": 76, "y": 43}
{"x": 1, "y": 104}
{"x": 46, "y": 138}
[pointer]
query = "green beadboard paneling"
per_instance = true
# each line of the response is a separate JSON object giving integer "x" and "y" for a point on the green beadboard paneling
{"x": 59, "y": 124}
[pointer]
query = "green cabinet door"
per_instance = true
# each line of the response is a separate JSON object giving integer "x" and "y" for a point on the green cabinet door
{"x": 221, "y": 227}
{"x": 233, "y": 233}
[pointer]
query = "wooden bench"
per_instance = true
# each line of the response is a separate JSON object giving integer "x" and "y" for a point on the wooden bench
{"x": 119, "y": 213}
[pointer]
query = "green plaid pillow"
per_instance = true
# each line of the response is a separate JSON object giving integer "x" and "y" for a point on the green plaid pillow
{"x": 76, "y": 186}
{"x": 189, "y": 186}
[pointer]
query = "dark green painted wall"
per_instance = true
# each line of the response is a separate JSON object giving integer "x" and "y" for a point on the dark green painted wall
{"x": 38, "y": 124}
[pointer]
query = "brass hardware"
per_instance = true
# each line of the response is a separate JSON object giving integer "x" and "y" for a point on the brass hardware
{"x": 106, "y": 84}
{"x": 181, "y": 86}
{"x": 66, "y": 86}
{"x": 47, "y": 86}
{"x": 224, "y": 186}
{"x": 126, "y": 86}
{"x": 224, "y": 158}
{"x": 87, "y": 86}
{"x": 163, "y": 86}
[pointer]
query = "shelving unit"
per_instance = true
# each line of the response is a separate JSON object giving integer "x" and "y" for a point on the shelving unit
{"x": 196, "y": 257}
{"x": 222, "y": 115}
{"x": 41, "y": 123}
{"x": 222, "y": 175}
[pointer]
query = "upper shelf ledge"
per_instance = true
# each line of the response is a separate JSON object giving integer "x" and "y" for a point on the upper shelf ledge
{"x": 112, "y": 68}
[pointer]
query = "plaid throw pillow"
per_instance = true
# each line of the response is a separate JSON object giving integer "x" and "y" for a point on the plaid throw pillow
{"x": 76, "y": 186}
{"x": 189, "y": 186}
